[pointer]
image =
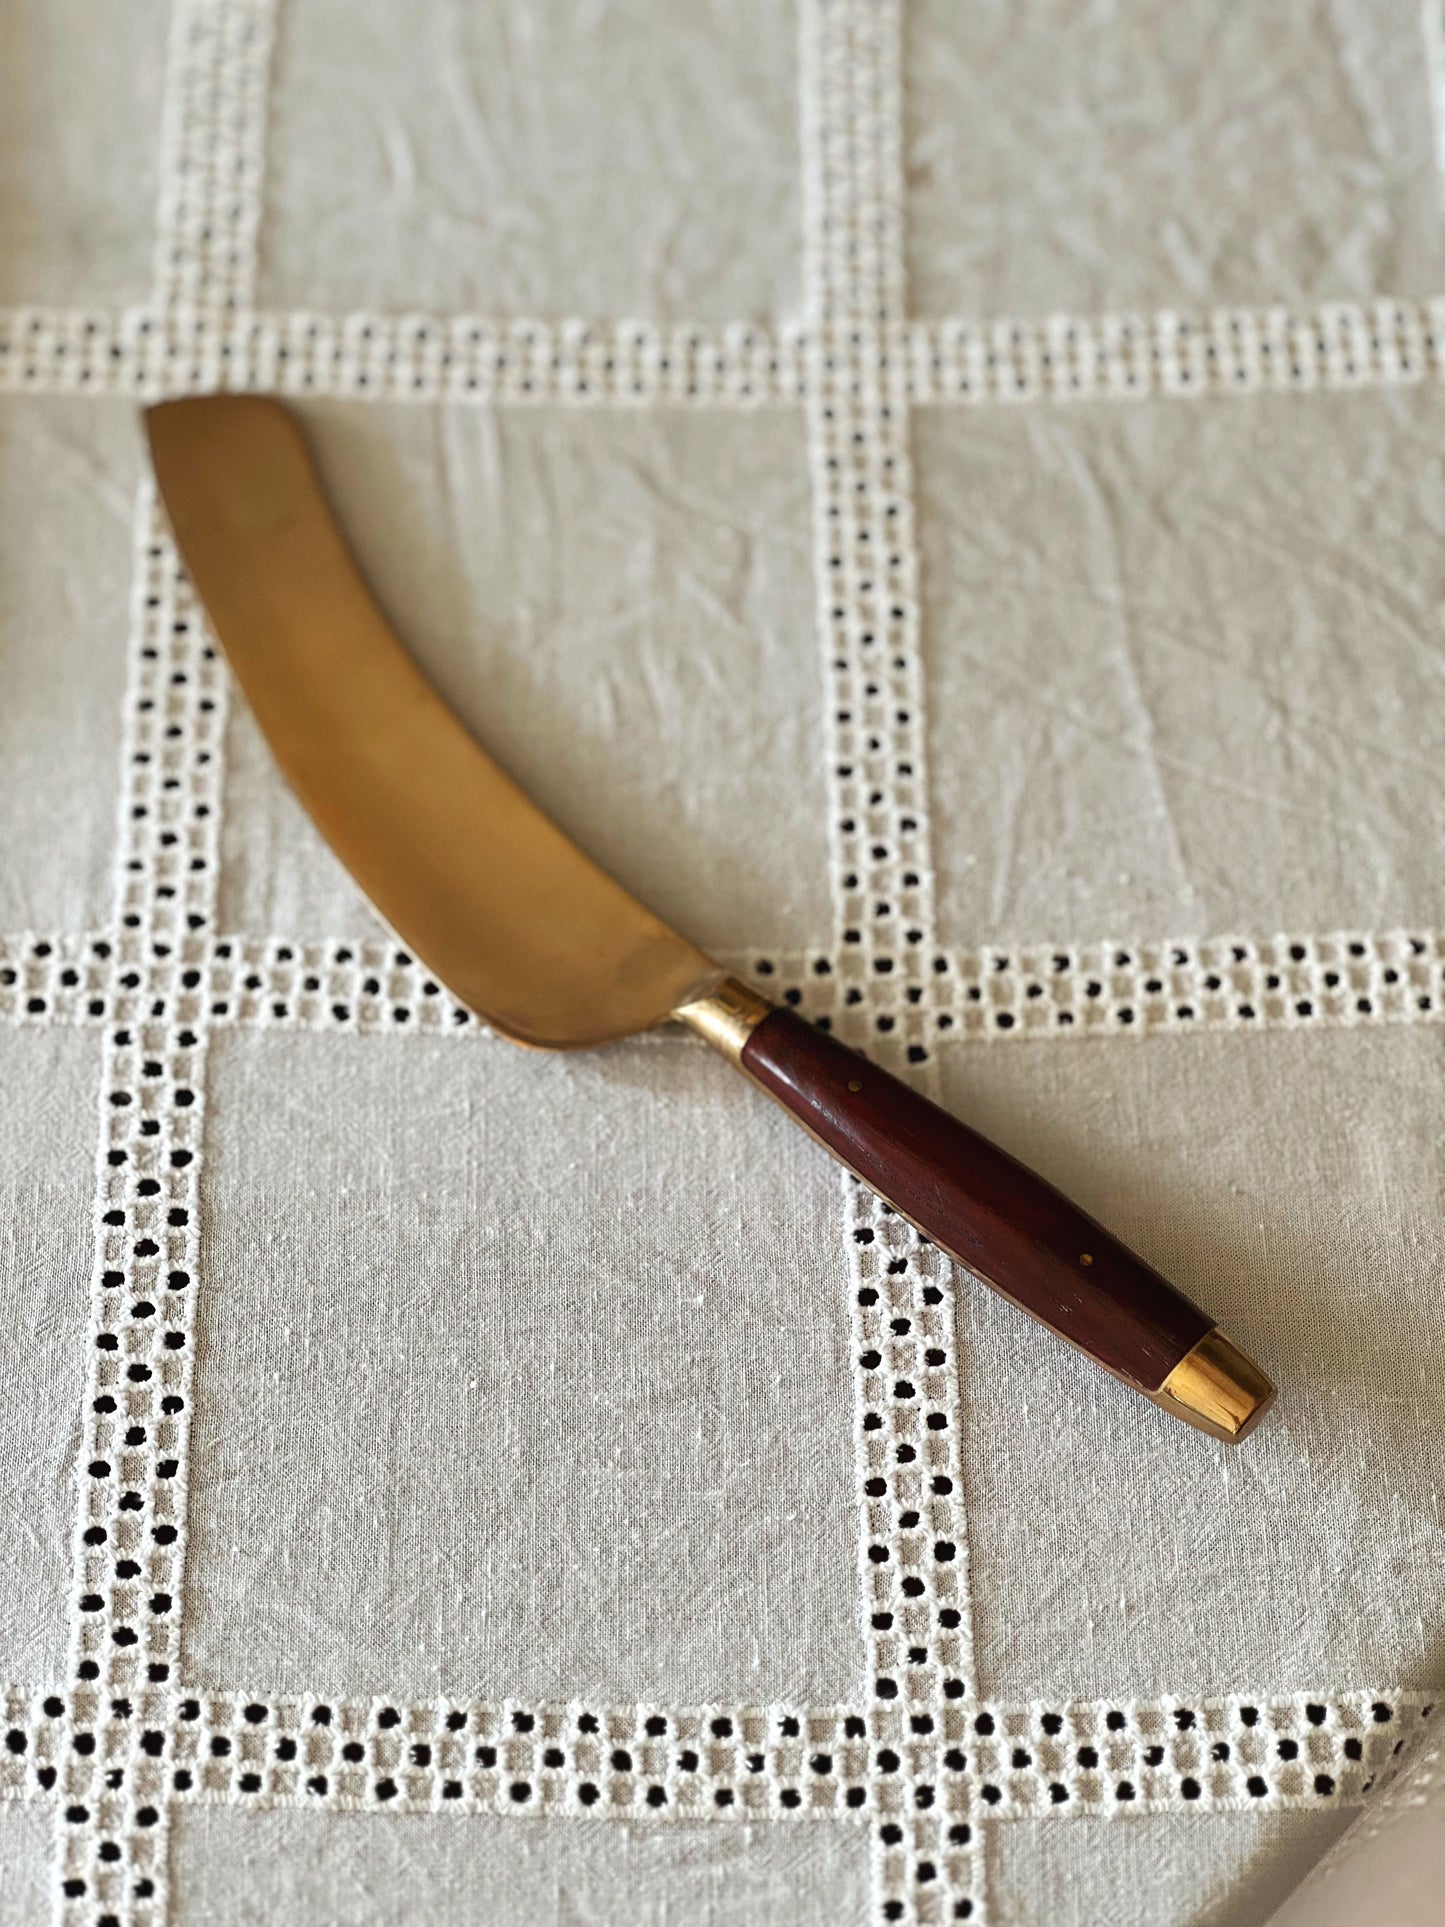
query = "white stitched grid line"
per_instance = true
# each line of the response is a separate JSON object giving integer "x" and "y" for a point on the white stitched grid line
{"x": 1342, "y": 979}
{"x": 212, "y": 156}
{"x": 476, "y": 359}
{"x": 487, "y": 360}
{"x": 836, "y": 456}
{"x": 130, "y": 1535}
{"x": 1239, "y": 1753}
{"x": 660, "y": 1763}
{"x": 1123, "y": 357}
{"x": 124, "y": 1631}
{"x": 1236, "y": 1753}
{"x": 913, "y": 1553}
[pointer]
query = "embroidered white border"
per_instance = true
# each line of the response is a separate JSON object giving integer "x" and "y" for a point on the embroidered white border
{"x": 721, "y": 1762}
{"x": 484, "y": 359}
{"x": 1341, "y": 978}
{"x": 913, "y": 1551}
{"x": 130, "y": 1536}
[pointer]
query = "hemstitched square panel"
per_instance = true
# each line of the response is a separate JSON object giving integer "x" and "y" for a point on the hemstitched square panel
{"x": 47, "y": 1158}
{"x": 1142, "y": 155}
{"x": 243, "y": 1870}
{"x": 1291, "y": 1185}
{"x": 619, "y": 604}
{"x": 1194, "y": 655}
{"x": 520, "y": 1375}
{"x": 68, "y": 473}
{"x": 548, "y": 161}
{"x": 80, "y": 100}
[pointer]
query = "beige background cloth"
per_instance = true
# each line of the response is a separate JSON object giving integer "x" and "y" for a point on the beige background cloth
{"x": 948, "y": 502}
{"x": 1390, "y": 1865}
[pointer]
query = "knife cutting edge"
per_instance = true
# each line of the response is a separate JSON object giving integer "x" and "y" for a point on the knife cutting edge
{"x": 550, "y": 951}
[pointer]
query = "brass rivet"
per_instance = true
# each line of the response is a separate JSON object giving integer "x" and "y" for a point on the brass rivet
{"x": 854, "y": 1085}
{"x": 1086, "y": 1257}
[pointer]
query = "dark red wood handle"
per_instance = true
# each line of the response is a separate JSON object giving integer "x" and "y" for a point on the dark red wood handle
{"x": 984, "y": 1208}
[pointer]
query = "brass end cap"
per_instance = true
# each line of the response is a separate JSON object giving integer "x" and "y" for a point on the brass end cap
{"x": 1217, "y": 1389}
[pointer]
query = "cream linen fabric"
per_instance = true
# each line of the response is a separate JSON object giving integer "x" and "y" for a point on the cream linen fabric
{"x": 626, "y": 1409}
{"x": 805, "y": 445}
{"x": 302, "y": 1867}
{"x": 79, "y": 164}
{"x": 25, "y": 1856}
{"x": 1130, "y": 157}
{"x": 1160, "y": 1868}
{"x": 47, "y": 1128}
{"x": 68, "y": 475}
{"x": 1251, "y": 599}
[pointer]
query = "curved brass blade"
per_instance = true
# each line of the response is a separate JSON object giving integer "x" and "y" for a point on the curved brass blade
{"x": 504, "y": 909}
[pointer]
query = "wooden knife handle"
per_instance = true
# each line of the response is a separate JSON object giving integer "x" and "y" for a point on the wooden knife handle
{"x": 1002, "y": 1221}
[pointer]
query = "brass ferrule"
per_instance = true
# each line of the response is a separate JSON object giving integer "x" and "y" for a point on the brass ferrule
{"x": 727, "y": 1016}
{"x": 1217, "y": 1389}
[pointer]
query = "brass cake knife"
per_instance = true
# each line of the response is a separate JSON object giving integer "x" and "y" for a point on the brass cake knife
{"x": 543, "y": 945}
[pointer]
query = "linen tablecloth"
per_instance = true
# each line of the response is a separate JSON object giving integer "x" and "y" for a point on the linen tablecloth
{"x": 446, "y": 1484}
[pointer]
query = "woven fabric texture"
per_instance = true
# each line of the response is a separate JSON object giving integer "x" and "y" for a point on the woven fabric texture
{"x": 948, "y": 502}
